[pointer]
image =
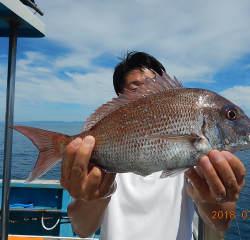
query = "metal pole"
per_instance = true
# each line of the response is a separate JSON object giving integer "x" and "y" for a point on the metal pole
{"x": 201, "y": 229}
{"x": 8, "y": 131}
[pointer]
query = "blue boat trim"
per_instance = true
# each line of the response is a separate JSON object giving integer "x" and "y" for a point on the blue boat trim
{"x": 49, "y": 201}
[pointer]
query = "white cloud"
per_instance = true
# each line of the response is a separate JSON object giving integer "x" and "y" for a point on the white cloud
{"x": 47, "y": 87}
{"x": 239, "y": 95}
{"x": 192, "y": 34}
{"x": 193, "y": 40}
{"x": 38, "y": 85}
{"x": 73, "y": 60}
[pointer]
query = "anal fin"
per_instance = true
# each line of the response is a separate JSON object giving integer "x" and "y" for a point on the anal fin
{"x": 173, "y": 172}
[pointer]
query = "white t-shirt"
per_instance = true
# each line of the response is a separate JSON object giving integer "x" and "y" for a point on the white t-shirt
{"x": 149, "y": 208}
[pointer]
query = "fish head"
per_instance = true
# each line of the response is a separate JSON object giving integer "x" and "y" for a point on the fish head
{"x": 233, "y": 128}
{"x": 224, "y": 124}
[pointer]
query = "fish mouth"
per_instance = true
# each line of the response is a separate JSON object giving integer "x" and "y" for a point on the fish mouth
{"x": 248, "y": 137}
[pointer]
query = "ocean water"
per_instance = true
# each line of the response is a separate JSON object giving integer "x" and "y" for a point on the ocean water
{"x": 240, "y": 226}
{"x": 24, "y": 155}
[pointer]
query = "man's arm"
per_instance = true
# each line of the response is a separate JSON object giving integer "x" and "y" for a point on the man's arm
{"x": 215, "y": 186}
{"x": 87, "y": 217}
{"x": 87, "y": 184}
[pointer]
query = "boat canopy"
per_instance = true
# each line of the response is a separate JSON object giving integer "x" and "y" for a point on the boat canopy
{"x": 29, "y": 24}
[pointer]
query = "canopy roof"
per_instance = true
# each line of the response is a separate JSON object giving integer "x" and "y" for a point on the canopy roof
{"x": 30, "y": 25}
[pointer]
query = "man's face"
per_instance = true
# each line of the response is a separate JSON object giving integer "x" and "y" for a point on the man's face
{"x": 136, "y": 77}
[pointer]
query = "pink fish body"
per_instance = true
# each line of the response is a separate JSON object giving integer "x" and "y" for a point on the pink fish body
{"x": 159, "y": 127}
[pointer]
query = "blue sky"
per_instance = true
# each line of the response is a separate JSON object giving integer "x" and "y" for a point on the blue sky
{"x": 68, "y": 74}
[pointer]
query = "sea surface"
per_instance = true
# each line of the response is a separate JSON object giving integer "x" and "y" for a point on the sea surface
{"x": 24, "y": 155}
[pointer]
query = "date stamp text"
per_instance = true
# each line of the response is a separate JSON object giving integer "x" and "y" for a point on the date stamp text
{"x": 231, "y": 215}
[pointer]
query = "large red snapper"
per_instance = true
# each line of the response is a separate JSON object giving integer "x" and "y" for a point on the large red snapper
{"x": 159, "y": 127}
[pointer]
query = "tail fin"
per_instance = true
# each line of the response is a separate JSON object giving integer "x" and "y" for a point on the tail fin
{"x": 49, "y": 145}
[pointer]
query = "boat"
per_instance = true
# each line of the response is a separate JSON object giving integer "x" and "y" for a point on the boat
{"x": 39, "y": 209}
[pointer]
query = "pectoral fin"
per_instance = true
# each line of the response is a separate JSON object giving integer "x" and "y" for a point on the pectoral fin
{"x": 185, "y": 140}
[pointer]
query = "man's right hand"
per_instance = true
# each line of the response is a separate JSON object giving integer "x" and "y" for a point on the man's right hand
{"x": 82, "y": 179}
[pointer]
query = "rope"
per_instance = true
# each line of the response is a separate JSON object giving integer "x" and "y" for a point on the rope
{"x": 51, "y": 227}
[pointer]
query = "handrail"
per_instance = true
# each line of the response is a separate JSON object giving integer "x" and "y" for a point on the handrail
{"x": 34, "y": 210}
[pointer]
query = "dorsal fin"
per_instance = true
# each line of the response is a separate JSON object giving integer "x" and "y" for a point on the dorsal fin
{"x": 151, "y": 85}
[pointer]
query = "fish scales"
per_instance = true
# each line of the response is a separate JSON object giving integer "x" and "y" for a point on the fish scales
{"x": 159, "y": 127}
{"x": 121, "y": 145}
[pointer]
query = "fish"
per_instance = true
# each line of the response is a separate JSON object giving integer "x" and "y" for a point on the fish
{"x": 161, "y": 126}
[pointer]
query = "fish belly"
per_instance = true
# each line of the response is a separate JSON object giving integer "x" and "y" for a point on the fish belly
{"x": 144, "y": 156}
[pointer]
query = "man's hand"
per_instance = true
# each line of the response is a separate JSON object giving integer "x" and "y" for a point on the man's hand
{"x": 215, "y": 185}
{"x": 82, "y": 179}
{"x": 219, "y": 178}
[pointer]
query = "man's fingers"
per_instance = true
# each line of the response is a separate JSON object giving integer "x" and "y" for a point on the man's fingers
{"x": 80, "y": 177}
{"x": 199, "y": 184}
{"x": 215, "y": 184}
{"x": 199, "y": 171}
{"x": 226, "y": 174}
{"x": 106, "y": 183}
{"x": 237, "y": 167}
{"x": 82, "y": 157}
{"x": 83, "y": 154}
{"x": 79, "y": 168}
{"x": 221, "y": 179}
{"x": 67, "y": 161}
{"x": 93, "y": 183}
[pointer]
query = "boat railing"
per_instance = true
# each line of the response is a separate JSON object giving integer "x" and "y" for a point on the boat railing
{"x": 202, "y": 231}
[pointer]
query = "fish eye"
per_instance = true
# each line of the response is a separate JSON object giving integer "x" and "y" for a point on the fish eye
{"x": 231, "y": 114}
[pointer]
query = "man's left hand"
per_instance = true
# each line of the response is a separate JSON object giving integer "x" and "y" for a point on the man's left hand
{"x": 218, "y": 178}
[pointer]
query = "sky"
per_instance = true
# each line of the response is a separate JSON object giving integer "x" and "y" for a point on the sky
{"x": 67, "y": 74}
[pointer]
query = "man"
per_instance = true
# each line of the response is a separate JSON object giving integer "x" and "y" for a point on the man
{"x": 147, "y": 207}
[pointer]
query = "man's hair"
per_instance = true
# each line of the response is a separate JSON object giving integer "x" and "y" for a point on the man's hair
{"x": 131, "y": 61}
